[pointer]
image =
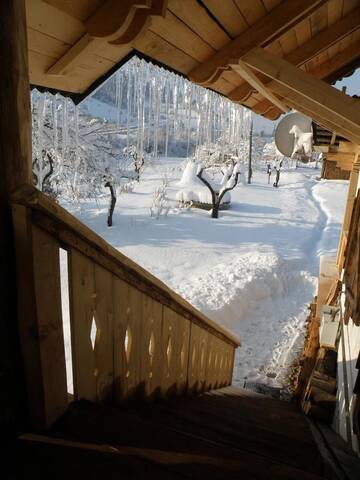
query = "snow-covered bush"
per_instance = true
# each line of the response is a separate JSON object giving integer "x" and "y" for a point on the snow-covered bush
{"x": 160, "y": 205}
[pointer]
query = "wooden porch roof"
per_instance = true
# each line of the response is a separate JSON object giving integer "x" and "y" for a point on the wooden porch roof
{"x": 74, "y": 45}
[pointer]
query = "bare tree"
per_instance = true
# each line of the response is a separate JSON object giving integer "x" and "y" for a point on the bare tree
{"x": 229, "y": 182}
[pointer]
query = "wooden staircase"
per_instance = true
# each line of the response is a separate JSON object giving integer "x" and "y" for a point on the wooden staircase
{"x": 229, "y": 433}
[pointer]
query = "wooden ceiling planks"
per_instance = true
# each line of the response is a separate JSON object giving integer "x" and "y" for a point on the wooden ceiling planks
{"x": 303, "y": 31}
{"x": 45, "y": 45}
{"x": 53, "y": 22}
{"x": 228, "y": 15}
{"x": 338, "y": 62}
{"x": 335, "y": 11}
{"x": 150, "y": 44}
{"x": 176, "y": 32}
{"x": 251, "y": 10}
{"x": 275, "y": 48}
{"x": 270, "y": 4}
{"x": 349, "y": 5}
{"x": 288, "y": 42}
{"x": 319, "y": 20}
{"x": 321, "y": 58}
{"x": 39, "y": 64}
{"x": 199, "y": 21}
{"x": 79, "y": 9}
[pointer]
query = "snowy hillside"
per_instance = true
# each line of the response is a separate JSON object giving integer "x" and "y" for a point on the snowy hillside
{"x": 254, "y": 269}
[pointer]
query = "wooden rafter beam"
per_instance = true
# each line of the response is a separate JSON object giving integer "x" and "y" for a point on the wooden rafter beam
{"x": 265, "y": 31}
{"x": 248, "y": 75}
{"x": 322, "y": 71}
{"x": 310, "y": 49}
{"x": 319, "y": 113}
{"x": 342, "y": 109}
{"x": 325, "y": 123}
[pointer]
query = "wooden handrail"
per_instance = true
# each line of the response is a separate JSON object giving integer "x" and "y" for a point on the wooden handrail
{"x": 69, "y": 231}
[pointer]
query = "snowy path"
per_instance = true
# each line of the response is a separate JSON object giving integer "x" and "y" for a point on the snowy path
{"x": 253, "y": 270}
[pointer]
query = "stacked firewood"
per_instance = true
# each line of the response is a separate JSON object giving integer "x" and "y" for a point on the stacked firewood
{"x": 311, "y": 346}
{"x": 319, "y": 398}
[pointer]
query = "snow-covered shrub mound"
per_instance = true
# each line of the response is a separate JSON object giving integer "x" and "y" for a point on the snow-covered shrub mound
{"x": 192, "y": 188}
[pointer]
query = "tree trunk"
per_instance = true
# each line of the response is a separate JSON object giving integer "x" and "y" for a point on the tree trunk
{"x": 112, "y": 203}
{"x": 215, "y": 210}
{"x": 15, "y": 161}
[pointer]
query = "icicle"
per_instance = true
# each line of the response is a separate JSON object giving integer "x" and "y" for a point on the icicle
{"x": 40, "y": 149}
{"x": 141, "y": 101}
{"x": 55, "y": 123}
{"x": 157, "y": 100}
{"x": 167, "y": 115}
{"x": 118, "y": 96}
{"x": 150, "y": 90}
{"x": 128, "y": 100}
{"x": 64, "y": 132}
{"x": 76, "y": 147}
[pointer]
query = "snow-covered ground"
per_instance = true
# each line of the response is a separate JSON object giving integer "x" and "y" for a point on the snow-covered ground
{"x": 253, "y": 270}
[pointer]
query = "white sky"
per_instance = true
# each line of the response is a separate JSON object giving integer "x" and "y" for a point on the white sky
{"x": 352, "y": 83}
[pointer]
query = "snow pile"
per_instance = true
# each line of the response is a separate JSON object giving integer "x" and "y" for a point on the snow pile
{"x": 328, "y": 193}
{"x": 260, "y": 297}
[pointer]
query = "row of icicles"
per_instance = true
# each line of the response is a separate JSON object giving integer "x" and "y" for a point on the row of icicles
{"x": 152, "y": 109}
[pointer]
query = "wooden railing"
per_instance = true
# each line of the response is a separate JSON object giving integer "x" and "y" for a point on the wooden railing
{"x": 149, "y": 341}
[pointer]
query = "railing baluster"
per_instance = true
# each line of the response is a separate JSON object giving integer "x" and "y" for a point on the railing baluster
{"x": 82, "y": 319}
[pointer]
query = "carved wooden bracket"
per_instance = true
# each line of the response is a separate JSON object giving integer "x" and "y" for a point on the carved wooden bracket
{"x": 121, "y": 22}
{"x": 116, "y": 23}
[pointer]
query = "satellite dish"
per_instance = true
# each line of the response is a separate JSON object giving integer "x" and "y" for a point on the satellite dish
{"x": 284, "y": 140}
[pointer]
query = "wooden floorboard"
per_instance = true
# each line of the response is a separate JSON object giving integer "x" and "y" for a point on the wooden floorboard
{"x": 228, "y": 434}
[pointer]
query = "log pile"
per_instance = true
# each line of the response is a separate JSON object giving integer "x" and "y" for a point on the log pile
{"x": 311, "y": 347}
{"x": 319, "y": 398}
{"x": 332, "y": 171}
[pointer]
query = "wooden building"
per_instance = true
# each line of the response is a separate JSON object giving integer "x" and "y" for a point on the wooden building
{"x": 269, "y": 55}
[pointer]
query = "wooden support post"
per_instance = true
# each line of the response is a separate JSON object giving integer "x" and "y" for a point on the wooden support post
{"x": 31, "y": 331}
{"x": 15, "y": 162}
{"x": 352, "y": 191}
